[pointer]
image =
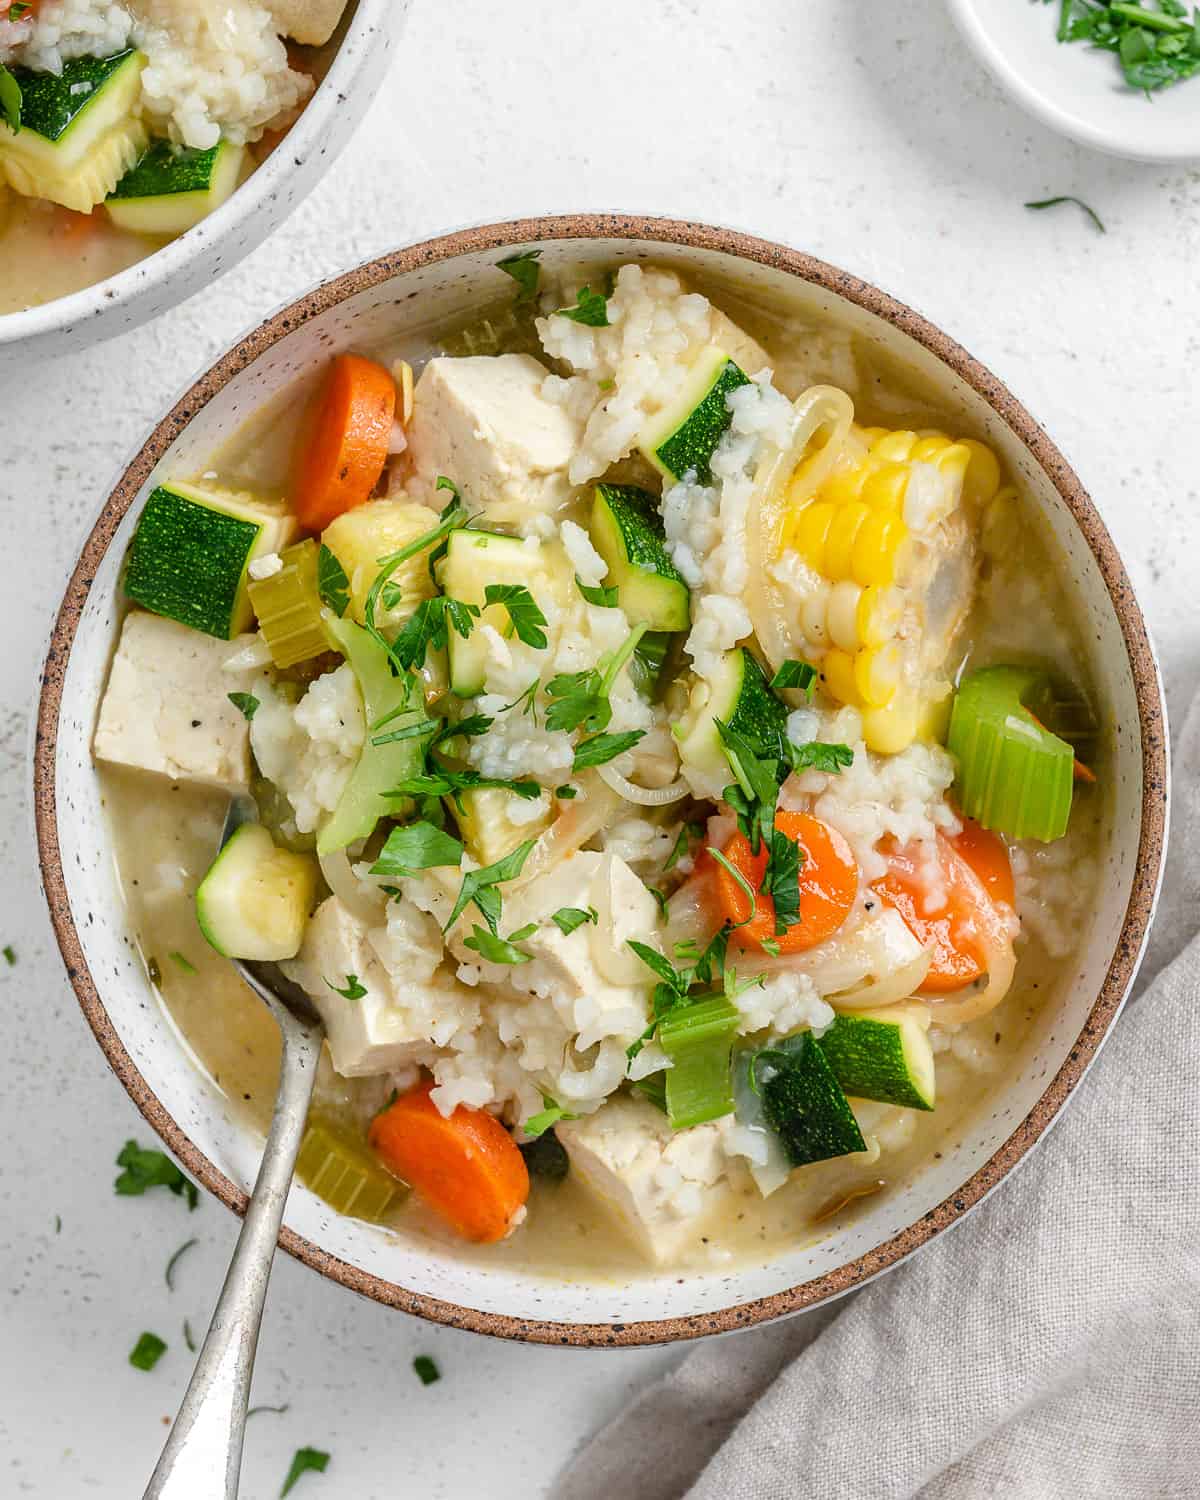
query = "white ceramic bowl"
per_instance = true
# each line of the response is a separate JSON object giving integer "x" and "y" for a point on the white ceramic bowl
{"x": 181, "y": 267}
{"x": 401, "y": 293}
{"x": 1077, "y": 89}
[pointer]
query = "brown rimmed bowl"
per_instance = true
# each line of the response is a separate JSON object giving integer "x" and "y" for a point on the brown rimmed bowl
{"x": 396, "y": 297}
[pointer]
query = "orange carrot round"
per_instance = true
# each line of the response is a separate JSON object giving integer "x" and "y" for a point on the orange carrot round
{"x": 345, "y": 446}
{"x": 944, "y": 916}
{"x": 466, "y": 1166}
{"x": 828, "y": 885}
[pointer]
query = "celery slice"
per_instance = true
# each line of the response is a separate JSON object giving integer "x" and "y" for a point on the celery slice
{"x": 288, "y": 607}
{"x": 698, "y": 1038}
{"x": 344, "y": 1175}
{"x": 1014, "y": 776}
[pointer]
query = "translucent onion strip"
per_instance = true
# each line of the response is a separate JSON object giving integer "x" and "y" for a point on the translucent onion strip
{"x": 584, "y": 818}
{"x": 353, "y": 893}
{"x": 658, "y": 796}
{"x": 888, "y": 988}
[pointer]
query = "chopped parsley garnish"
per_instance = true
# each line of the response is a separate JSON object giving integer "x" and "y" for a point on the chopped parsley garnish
{"x": 795, "y": 674}
{"x": 660, "y": 898}
{"x": 1155, "y": 47}
{"x": 333, "y": 586}
{"x": 527, "y": 619}
{"x": 683, "y": 844}
{"x": 746, "y": 888}
{"x": 147, "y": 1352}
{"x": 1068, "y": 198}
{"x": 10, "y": 954}
{"x": 354, "y": 988}
{"x": 430, "y": 625}
{"x": 498, "y": 950}
{"x": 528, "y": 699}
{"x": 147, "y": 1169}
{"x": 525, "y": 271}
{"x": 606, "y": 598}
{"x": 174, "y": 1261}
{"x": 753, "y": 799}
{"x": 470, "y": 727}
{"x": 180, "y": 961}
{"x": 601, "y": 748}
{"x": 482, "y": 886}
{"x": 10, "y": 99}
{"x": 453, "y": 518}
{"x": 591, "y": 309}
{"x": 417, "y": 846}
{"x": 545, "y": 1119}
{"x": 426, "y": 1369}
{"x": 445, "y": 782}
{"x": 568, "y": 918}
{"x": 581, "y": 698}
{"x": 670, "y": 991}
{"x": 245, "y": 703}
{"x": 18, "y": 8}
{"x": 817, "y": 755}
{"x": 305, "y": 1459}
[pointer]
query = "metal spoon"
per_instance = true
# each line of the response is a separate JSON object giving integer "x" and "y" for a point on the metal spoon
{"x": 202, "y": 1458}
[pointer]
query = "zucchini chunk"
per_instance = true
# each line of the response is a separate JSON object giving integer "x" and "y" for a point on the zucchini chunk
{"x": 190, "y": 552}
{"x": 343, "y": 1175}
{"x": 390, "y": 705}
{"x": 741, "y": 697}
{"x": 883, "y": 1054}
{"x": 473, "y": 560}
{"x": 683, "y": 437}
{"x": 80, "y": 130}
{"x": 804, "y": 1104}
{"x": 255, "y": 900}
{"x": 171, "y": 188}
{"x": 627, "y": 531}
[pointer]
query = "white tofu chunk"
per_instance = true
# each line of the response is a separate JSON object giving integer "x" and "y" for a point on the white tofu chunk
{"x": 166, "y": 708}
{"x": 483, "y": 422}
{"x": 662, "y": 1187}
{"x": 310, "y": 22}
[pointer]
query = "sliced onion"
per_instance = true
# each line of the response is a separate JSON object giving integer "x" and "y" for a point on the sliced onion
{"x": 821, "y": 406}
{"x": 353, "y": 893}
{"x": 583, "y": 819}
{"x": 878, "y": 945}
{"x": 689, "y": 919}
{"x": 886, "y": 989}
{"x": 644, "y": 796}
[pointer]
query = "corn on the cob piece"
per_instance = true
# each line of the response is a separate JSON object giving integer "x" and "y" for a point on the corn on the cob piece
{"x": 887, "y": 546}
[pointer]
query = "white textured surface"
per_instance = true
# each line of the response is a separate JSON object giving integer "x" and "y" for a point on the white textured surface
{"x": 864, "y": 134}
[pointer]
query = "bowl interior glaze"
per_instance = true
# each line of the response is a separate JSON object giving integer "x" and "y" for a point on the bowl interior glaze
{"x": 405, "y": 292}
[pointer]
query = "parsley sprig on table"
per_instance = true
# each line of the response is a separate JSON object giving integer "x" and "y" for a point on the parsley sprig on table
{"x": 1156, "y": 46}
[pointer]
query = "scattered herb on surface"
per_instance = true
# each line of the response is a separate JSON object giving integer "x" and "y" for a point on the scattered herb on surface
{"x": 747, "y": 889}
{"x": 660, "y": 898}
{"x": 147, "y": 1352}
{"x": 606, "y": 598}
{"x": 188, "y": 1339}
{"x": 245, "y": 703}
{"x": 58, "y": 1223}
{"x": 591, "y": 309}
{"x": 182, "y": 962}
{"x": 277, "y": 1410}
{"x": 430, "y": 625}
{"x": 525, "y": 271}
{"x": 18, "y": 8}
{"x": 305, "y": 1459}
{"x": 426, "y": 1369}
{"x": 568, "y": 918}
{"x": 333, "y": 586}
{"x": 147, "y": 1169}
{"x": 10, "y": 954}
{"x": 1067, "y": 198}
{"x": 174, "y": 1261}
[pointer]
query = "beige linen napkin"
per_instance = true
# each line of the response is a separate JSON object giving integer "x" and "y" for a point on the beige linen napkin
{"x": 1048, "y": 1347}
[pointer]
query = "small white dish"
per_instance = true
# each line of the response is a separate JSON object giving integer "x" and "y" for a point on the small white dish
{"x": 1076, "y": 89}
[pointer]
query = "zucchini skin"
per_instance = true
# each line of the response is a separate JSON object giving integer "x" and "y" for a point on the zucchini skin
{"x": 805, "y": 1106}
{"x": 693, "y": 443}
{"x": 163, "y": 170}
{"x": 628, "y": 532}
{"x": 866, "y": 1055}
{"x": 758, "y": 713}
{"x": 49, "y": 108}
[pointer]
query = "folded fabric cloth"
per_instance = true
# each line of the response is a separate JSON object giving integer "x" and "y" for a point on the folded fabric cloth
{"x": 1048, "y": 1347}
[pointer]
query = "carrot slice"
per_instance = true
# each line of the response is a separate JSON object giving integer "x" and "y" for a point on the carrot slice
{"x": 349, "y": 430}
{"x": 466, "y": 1167}
{"x": 828, "y": 885}
{"x": 940, "y": 907}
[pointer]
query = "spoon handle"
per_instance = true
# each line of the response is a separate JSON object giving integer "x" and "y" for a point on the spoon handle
{"x": 202, "y": 1458}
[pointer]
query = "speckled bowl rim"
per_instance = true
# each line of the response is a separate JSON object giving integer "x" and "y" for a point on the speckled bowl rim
{"x": 1147, "y": 689}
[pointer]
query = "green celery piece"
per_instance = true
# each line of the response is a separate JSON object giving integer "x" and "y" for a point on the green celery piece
{"x": 698, "y": 1039}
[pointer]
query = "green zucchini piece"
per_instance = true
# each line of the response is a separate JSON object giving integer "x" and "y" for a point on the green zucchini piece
{"x": 473, "y": 560}
{"x": 171, "y": 188}
{"x": 80, "y": 130}
{"x": 380, "y": 766}
{"x": 190, "y": 552}
{"x": 345, "y": 1176}
{"x": 683, "y": 437}
{"x": 698, "y": 1038}
{"x": 255, "y": 900}
{"x": 1014, "y": 776}
{"x": 882, "y": 1054}
{"x": 803, "y": 1102}
{"x": 288, "y": 607}
{"x": 741, "y": 697}
{"x": 648, "y": 662}
{"x": 627, "y": 531}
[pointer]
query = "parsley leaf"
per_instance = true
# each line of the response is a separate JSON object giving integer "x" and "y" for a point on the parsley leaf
{"x": 10, "y": 99}
{"x": 795, "y": 674}
{"x": 453, "y": 518}
{"x": 658, "y": 964}
{"x": 746, "y": 888}
{"x": 527, "y": 619}
{"x": 1155, "y": 48}
{"x": 525, "y": 271}
{"x": 1079, "y": 203}
{"x": 305, "y": 1459}
{"x": 601, "y": 748}
{"x": 441, "y": 781}
{"x": 354, "y": 990}
{"x": 781, "y": 880}
{"x": 245, "y": 703}
{"x": 333, "y": 586}
{"x": 147, "y": 1169}
{"x": 18, "y": 8}
{"x": 495, "y": 949}
{"x": 147, "y": 1352}
{"x": 568, "y": 918}
{"x": 566, "y": 792}
{"x": 545, "y": 1119}
{"x": 175, "y": 1259}
{"x": 581, "y": 698}
{"x": 683, "y": 844}
{"x": 606, "y": 598}
{"x": 820, "y": 756}
{"x": 417, "y": 846}
{"x": 470, "y": 727}
{"x": 591, "y": 309}
{"x": 182, "y": 962}
{"x": 480, "y": 886}
{"x": 426, "y": 1369}
{"x": 430, "y": 625}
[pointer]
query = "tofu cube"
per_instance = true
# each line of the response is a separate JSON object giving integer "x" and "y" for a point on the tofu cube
{"x": 662, "y": 1187}
{"x": 310, "y": 22}
{"x": 483, "y": 422}
{"x": 166, "y": 708}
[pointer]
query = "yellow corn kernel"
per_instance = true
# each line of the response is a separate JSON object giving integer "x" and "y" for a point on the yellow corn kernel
{"x": 806, "y": 533}
{"x": 933, "y": 722}
{"x": 891, "y": 728}
{"x": 877, "y": 675}
{"x": 841, "y": 617}
{"x": 838, "y": 671}
{"x": 878, "y": 549}
{"x": 878, "y": 615}
{"x": 839, "y": 542}
{"x": 844, "y": 486}
{"x": 982, "y": 477}
{"x": 813, "y": 615}
{"x": 871, "y": 435}
{"x": 884, "y": 489}
{"x": 895, "y": 447}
